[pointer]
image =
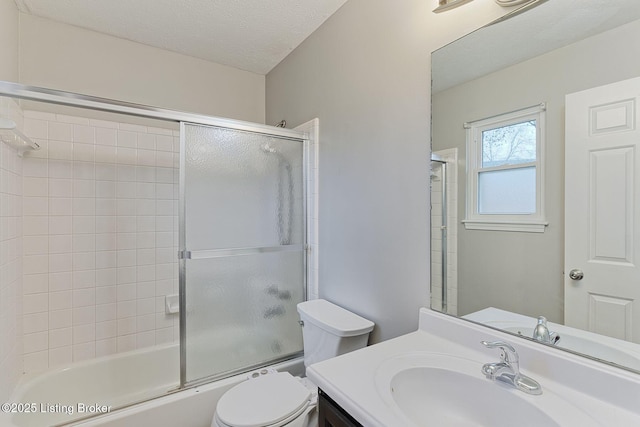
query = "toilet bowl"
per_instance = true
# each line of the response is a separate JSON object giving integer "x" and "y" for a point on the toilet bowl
{"x": 278, "y": 399}
{"x": 274, "y": 400}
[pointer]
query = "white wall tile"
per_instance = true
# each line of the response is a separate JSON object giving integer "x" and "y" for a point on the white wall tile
{"x": 164, "y": 143}
{"x": 126, "y": 325}
{"x": 34, "y": 187}
{"x": 126, "y": 156}
{"x": 106, "y": 259}
{"x": 84, "y": 188}
{"x": 103, "y": 124}
{"x": 84, "y": 351}
{"x": 146, "y": 157}
{"x": 83, "y": 224}
{"x": 37, "y": 341}
{"x": 84, "y": 316}
{"x": 84, "y": 170}
{"x": 36, "y": 322}
{"x": 145, "y": 240}
{"x": 35, "y": 167}
{"x": 60, "y": 206}
{"x": 84, "y": 297}
{"x": 60, "y": 319}
{"x": 106, "y": 136}
{"x": 36, "y": 128}
{"x": 61, "y": 131}
{"x": 35, "y": 245}
{"x": 105, "y": 295}
{"x": 105, "y": 312}
{"x": 60, "y": 150}
{"x": 99, "y": 225}
{"x": 84, "y": 333}
{"x": 105, "y": 224}
{"x": 61, "y": 337}
{"x": 106, "y": 277}
{"x": 35, "y": 206}
{"x": 61, "y": 224}
{"x": 62, "y": 118}
{"x": 84, "y": 134}
{"x": 105, "y": 154}
{"x": 35, "y": 303}
{"x": 60, "y": 300}
{"x": 60, "y": 188}
{"x": 106, "y": 347}
{"x": 126, "y": 343}
{"x": 106, "y": 207}
{"x": 34, "y": 264}
{"x": 60, "y": 356}
{"x": 84, "y": 279}
{"x": 145, "y": 339}
{"x": 108, "y": 329}
{"x": 84, "y": 152}
{"x": 62, "y": 243}
{"x": 60, "y": 262}
{"x": 106, "y": 172}
{"x": 60, "y": 281}
{"x": 35, "y": 283}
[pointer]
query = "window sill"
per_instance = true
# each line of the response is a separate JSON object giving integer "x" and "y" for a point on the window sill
{"x": 523, "y": 227}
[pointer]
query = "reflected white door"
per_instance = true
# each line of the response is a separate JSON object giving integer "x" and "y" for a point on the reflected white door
{"x": 602, "y": 211}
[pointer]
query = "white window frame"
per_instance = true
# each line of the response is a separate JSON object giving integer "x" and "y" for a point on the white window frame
{"x": 535, "y": 222}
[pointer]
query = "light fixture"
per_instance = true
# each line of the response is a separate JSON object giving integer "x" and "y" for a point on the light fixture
{"x": 509, "y": 3}
{"x": 449, "y": 4}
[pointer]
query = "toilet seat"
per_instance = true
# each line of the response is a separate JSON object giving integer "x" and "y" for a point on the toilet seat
{"x": 271, "y": 400}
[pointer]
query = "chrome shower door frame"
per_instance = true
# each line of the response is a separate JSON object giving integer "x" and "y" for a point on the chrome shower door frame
{"x": 71, "y": 99}
{"x": 184, "y": 254}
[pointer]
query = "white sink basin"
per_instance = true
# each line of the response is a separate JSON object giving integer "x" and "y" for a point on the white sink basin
{"x": 430, "y": 389}
{"x": 592, "y": 347}
{"x": 605, "y": 348}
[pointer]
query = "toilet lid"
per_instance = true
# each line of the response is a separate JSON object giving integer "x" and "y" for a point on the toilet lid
{"x": 262, "y": 401}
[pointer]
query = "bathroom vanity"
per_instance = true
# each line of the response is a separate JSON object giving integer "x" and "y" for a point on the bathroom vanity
{"x": 330, "y": 414}
{"x": 434, "y": 376}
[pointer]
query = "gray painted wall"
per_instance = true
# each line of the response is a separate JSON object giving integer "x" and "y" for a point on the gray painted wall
{"x": 523, "y": 272}
{"x": 64, "y": 57}
{"x": 9, "y": 40}
{"x": 365, "y": 74}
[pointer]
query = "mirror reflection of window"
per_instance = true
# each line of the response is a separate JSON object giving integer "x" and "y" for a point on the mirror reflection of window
{"x": 504, "y": 168}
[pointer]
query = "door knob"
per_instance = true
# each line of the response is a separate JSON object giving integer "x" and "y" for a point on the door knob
{"x": 576, "y": 274}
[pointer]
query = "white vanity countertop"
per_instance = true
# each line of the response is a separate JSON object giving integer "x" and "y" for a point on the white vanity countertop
{"x": 610, "y": 396}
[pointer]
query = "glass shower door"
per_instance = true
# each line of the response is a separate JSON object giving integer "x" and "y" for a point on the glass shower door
{"x": 242, "y": 244}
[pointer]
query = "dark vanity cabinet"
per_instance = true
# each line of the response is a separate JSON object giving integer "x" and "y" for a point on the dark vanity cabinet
{"x": 330, "y": 414}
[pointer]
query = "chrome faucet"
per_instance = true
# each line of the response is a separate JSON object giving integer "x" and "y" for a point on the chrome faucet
{"x": 541, "y": 332}
{"x": 508, "y": 369}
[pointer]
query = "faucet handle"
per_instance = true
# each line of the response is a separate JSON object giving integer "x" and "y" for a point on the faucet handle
{"x": 509, "y": 354}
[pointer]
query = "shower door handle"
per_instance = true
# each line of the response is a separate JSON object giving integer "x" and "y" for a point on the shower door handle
{"x": 576, "y": 274}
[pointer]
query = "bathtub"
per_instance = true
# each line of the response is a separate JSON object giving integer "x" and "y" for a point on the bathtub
{"x": 102, "y": 388}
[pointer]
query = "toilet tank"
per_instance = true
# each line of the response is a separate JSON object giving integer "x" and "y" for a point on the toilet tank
{"x": 329, "y": 331}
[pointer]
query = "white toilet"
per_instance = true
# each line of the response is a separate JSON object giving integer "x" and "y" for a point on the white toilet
{"x": 280, "y": 399}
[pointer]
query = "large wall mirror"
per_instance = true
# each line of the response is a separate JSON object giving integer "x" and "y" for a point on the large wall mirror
{"x": 535, "y": 177}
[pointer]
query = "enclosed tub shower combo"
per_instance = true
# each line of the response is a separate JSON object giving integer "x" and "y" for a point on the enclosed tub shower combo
{"x": 237, "y": 228}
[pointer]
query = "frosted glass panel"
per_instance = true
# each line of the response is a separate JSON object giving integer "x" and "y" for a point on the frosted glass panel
{"x": 511, "y": 191}
{"x": 243, "y": 238}
{"x": 242, "y": 189}
{"x": 241, "y": 311}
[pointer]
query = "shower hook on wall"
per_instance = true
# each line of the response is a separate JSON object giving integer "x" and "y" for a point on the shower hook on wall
{"x": 282, "y": 124}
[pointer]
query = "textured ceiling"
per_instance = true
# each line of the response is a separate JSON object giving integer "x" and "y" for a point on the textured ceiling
{"x": 252, "y": 35}
{"x": 544, "y": 28}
